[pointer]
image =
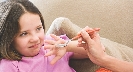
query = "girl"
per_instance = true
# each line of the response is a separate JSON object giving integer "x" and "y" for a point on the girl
{"x": 22, "y": 47}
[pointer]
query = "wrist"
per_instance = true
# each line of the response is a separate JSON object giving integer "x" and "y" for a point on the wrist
{"x": 71, "y": 45}
{"x": 68, "y": 47}
{"x": 104, "y": 60}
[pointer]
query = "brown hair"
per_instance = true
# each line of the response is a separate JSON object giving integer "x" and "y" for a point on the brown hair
{"x": 9, "y": 25}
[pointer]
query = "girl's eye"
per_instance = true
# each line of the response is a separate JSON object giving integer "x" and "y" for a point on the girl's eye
{"x": 23, "y": 34}
{"x": 39, "y": 28}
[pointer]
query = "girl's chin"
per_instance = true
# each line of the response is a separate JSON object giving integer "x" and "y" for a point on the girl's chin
{"x": 32, "y": 53}
{"x": 35, "y": 53}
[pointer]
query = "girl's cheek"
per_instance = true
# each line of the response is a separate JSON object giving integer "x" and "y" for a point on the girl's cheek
{"x": 42, "y": 38}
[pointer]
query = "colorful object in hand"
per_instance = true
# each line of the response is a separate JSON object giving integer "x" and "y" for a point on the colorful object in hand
{"x": 90, "y": 32}
{"x": 103, "y": 70}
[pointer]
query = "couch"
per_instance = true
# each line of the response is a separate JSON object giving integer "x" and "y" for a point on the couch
{"x": 114, "y": 17}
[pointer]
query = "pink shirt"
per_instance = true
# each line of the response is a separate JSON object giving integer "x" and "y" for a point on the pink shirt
{"x": 38, "y": 63}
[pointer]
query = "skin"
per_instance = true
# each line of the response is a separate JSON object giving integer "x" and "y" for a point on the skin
{"x": 30, "y": 38}
{"x": 97, "y": 54}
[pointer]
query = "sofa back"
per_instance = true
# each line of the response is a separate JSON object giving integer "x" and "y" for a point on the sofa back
{"x": 114, "y": 17}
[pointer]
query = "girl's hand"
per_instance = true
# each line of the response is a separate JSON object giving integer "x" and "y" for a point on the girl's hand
{"x": 51, "y": 44}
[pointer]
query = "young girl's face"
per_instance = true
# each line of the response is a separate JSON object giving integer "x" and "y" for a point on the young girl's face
{"x": 31, "y": 35}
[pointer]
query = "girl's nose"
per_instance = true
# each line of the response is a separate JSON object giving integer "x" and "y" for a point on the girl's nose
{"x": 34, "y": 38}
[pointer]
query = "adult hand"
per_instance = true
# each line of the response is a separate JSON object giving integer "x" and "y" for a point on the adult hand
{"x": 51, "y": 44}
{"x": 92, "y": 44}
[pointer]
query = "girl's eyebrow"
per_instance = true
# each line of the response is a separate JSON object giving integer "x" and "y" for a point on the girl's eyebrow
{"x": 23, "y": 31}
{"x": 39, "y": 25}
{"x": 28, "y": 30}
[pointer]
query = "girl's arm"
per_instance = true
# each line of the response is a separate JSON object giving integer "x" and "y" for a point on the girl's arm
{"x": 59, "y": 52}
{"x": 79, "y": 52}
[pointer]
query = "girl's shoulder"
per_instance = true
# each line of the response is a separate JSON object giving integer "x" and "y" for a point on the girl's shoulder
{"x": 7, "y": 65}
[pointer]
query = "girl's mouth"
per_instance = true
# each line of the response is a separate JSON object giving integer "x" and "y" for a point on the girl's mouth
{"x": 34, "y": 46}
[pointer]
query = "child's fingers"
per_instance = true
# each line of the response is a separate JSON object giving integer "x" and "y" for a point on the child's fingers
{"x": 52, "y": 42}
{"x": 49, "y": 53}
{"x": 49, "y": 46}
{"x": 57, "y": 57}
{"x": 55, "y": 37}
